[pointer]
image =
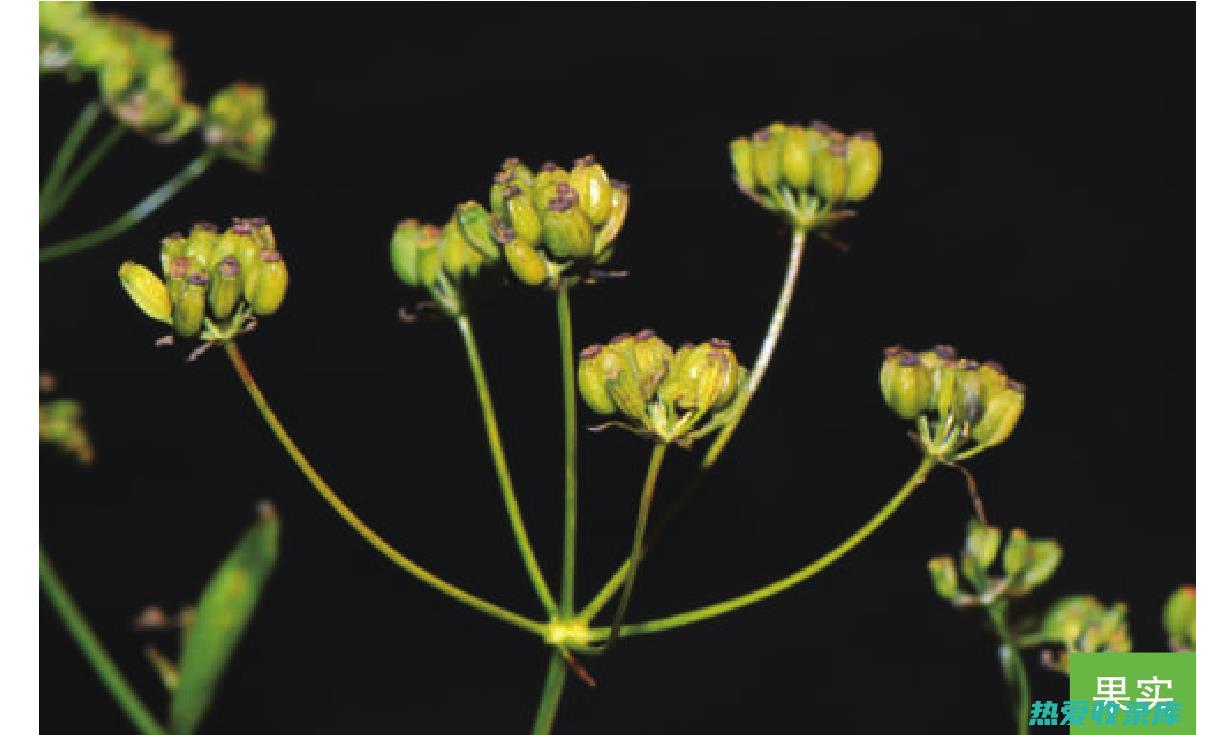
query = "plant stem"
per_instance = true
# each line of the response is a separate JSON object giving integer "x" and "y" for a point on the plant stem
{"x": 1014, "y": 670}
{"x": 814, "y": 567}
{"x": 66, "y": 154}
{"x": 108, "y": 672}
{"x": 775, "y": 327}
{"x": 62, "y": 194}
{"x": 136, "y": 214}
{"x": 766, "y": 349}
{"x": 639, "y": 533}
{"x": 501, "y": 467}
{"x": 551, "y": 695}
{"x": 571, "y": 428}
{"x": 351, "y": 518}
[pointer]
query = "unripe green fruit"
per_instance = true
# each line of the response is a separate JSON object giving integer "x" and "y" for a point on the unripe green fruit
{"x": 797, "y": 157}
{"x": 616, "y": 218}
{"x": 147, "y": 291}
{"x": 766, "y": 150}
{"x": 863, "y": 166}
{"x": 171, "y": 247}
{"x": 830, "y": 172}
{"x": 498, "y": 192}
{"x": 742, "y": 159}
{"x": 566, "y": 231}
{"x": 906, "y": 384}
{"x": 982, "y": 543}
{"x": 943, "y": 577}
{"x": 1003, "y": 409}
{"x": 522, "y": 215}
{"x": 592, "y": 384}
{"x": 475, "y": 224}
{"x": 226, "y": 287}
{"x": 525, "y": 262}
{"x": 269, "y": 287}
{"x": 590, "y": 182}
{"x": 1015, "y": 553}
{"x": 189, "y": 308}
{"x": 202, "y": 241}
{"x": 403, "y": 251}
{"x": 454, "y": 251}
{"x": 651, "y": 356}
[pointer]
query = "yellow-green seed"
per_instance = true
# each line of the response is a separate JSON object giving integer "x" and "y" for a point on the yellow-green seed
{"x": 146, "y": 290}
{"x": 525, "y": 262}
{"x": 271, "y": 280}
{"x": 797, "y": 161}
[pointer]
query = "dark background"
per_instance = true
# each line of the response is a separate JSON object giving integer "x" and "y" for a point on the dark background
{"x": 1036, "y": 207}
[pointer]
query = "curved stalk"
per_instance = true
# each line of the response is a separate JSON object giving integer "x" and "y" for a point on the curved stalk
{"x": 570, "y": 439}
{"x": 721, "y": 608}
{"x": 136, "y": 214}
{"x": 65, "y": 155}
{"x": 63, "y": 194}
{"x": 377, "y": 542}
{"x": 93, "y": 650}
{"x": 510, "y": 503}
{"x": 766, "y": 349}
{"x": 551, "y": 695}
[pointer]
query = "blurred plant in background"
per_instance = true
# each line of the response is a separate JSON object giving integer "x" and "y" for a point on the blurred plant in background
{"x": 1077, "y": 623}
{"x": 141, "y": 85}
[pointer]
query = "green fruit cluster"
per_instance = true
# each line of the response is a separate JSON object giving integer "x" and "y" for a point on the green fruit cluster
{"x": 143, "y": 85}
{"x": 212, "y": 282}
{"x": 554, "y": 220}
{"x": 1083, "y": 624}
{"x": 972, "y": 402}
{"x": 61, "y": 423}
{"x": 673, "y": 396}
{"x": 238, "y": 124}
{"x": 140, "y": 81}
{"x": 804, "y": 172}
{"x": 545, "y": 228}
{"x": 1026, "y": 564}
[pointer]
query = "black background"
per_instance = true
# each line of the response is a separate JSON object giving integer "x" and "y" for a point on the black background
{"x": 1035, "y": 207}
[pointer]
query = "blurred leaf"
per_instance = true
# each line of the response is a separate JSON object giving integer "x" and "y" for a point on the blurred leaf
{"x": 225, "y": 607}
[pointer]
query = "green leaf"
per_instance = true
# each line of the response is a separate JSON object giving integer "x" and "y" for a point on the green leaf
{"x": 223, "y": 612}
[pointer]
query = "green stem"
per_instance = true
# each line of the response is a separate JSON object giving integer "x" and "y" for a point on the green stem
{"x": 501, "y": 467}
{"x": 569, "y": 402}
{"x": 766, "y": 349}
{"x": 775, "y": 327}
{"x": 351, "y": 518}
{"x": 758, "y": 595}
{"x": 639, "y": 534}
{"x": 1014, "y": 670}
{"x": 551, "y": 695}
{"x": 66, "y": 154}
{"x": 136, "y": 214}
{"x": 108, "y": 672}
{"x": 63, "y": 194}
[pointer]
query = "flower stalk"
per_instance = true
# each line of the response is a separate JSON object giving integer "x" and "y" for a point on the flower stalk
{"x": 495, "y": 442}
{"x": 341, "y": 508}
{"x": 153, "y": 201}
{"x": 570, "y": 451}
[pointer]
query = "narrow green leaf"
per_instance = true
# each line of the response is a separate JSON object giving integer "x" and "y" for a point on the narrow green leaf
{"x": 225, "y": 607}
